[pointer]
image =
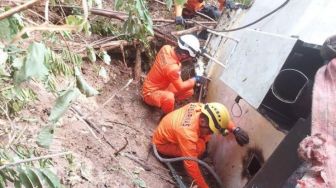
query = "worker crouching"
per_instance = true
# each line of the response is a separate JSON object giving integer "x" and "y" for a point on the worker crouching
{"x": 163, "y": 83}
{"x": 185, "y": 132}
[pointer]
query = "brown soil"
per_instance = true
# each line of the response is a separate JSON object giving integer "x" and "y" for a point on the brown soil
{"x": 125, "y": 124}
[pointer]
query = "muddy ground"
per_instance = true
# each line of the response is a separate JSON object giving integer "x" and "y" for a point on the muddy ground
{"x": 117, "y": 153}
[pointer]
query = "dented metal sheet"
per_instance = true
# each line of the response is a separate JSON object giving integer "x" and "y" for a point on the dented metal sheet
{"x": 255, "y": 64}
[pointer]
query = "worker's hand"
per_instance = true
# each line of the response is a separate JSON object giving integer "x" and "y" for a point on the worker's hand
{"x": 200, "y": 79}
{"x": 241, "y": 136}
{"x": 179, "y": 20}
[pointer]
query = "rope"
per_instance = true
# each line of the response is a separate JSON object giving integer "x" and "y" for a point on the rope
{"x": 170, "y": 160}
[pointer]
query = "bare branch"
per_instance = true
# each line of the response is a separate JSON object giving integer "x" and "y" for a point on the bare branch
{"x": 46, "y": 11}
{"x": 187, "y": 31}
{"x": 122, "y": 148}
{"x": 17, "y": 9}
{"x": 85, "y": 9}
{"x": 160, "y": 2}
{"x": 34, "y": 159}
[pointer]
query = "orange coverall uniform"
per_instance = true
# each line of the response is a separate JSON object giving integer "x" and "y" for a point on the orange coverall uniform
{"x": 178, "y": 134}
{"x": 163, "y": 82}
{"x": 195, "y": 5}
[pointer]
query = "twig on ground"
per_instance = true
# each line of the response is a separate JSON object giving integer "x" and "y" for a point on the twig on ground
{"x": 34, "y": 159}
{"x": 123, "y": 54}
{"x": 160, "y": 2}
{"x": 12, "y": 124}
{"x": 17, "y": 9}
{"x": 123, "y": 124}
{"x": 18, "y": 137}
{"x": 135, "y": 159}
{"x": 122, "y": 148}
{"x": 92, "y": 125}
{"x": 86, "y": 122}
{"x": 115, "y": 93}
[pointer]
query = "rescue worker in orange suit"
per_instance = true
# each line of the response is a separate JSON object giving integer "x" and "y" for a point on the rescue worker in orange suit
{"x": 185, "y": 132}
{"x": 163, "y": 83}
{"x": 193, "y": 6}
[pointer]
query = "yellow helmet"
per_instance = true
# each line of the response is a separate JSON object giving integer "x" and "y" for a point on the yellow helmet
{"x": 218, "y": 116}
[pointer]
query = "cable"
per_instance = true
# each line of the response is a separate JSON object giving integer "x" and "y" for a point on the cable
{"x": 165, "y": 160}
{"x": 254, "y": 22}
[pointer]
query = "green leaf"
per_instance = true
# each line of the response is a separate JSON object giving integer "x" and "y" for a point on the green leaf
{"x": 45, "y": 137}
{"x": 51, "y": 178}
{"x": 3, "y": 59}
{"x": 34, "y": 64}
{"x": 17, "y": 184}
{"x": 91, "y": 54}
{"x": 24, "y": 179}
{"x": 40, "y": 177}
{"x": 118, "y": 4}
{"x": 10, "y": 26}
{"x": 83, "y": 86}
{"x": 34, "y": 178}
{"x": 106, "y": 58}
{"x": 62, "y": 104}
{"x": 74, "y": 20}
{"x": 169, "y": 4}
{"x": 2, "y": 182}
{"x": 139, "y": 183}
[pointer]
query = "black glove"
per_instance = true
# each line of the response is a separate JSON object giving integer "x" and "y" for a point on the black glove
{"x": 200, "y": 79}
{"x": 179, "y": 20}
{"x": 201, "y": 1}
{"x": 241, "y": 136}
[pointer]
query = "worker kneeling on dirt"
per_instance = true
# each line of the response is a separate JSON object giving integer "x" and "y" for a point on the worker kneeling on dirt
{"x": 194, "y": 6}
{"x": 164, "y": 83}
{"x": 185, "y": 132}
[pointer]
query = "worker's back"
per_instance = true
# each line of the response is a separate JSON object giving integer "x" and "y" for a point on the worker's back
{"x": 165, "y": 69}
{"x": 182, "y": 123}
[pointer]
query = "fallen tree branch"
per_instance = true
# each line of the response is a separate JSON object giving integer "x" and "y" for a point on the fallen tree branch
{"x": 17, "y": 9}
{"x": 106, "y": 13}
{"x": 187, "y": 31}
{"x": 34, "y": 159}
{"x": 122, "y": 148}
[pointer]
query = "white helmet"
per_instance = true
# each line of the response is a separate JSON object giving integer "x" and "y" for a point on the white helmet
{"x": 190, "y": 43}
